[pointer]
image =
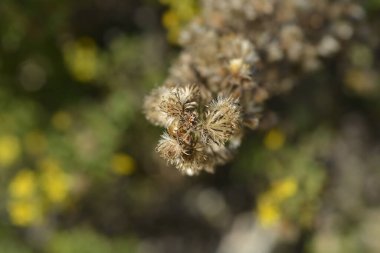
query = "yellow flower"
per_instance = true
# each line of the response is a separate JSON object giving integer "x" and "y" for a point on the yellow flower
{"x": 122, "y": 164}
{"x": 82, "y": 59}
{"x": 177, "y": 16}
{"x": 54, "y": 181}
{"x": 268, "y": 212}
{"x": 9, "y": 150}
{"x": 268, "y": 206}
{"x": 171, "y": 21}
{"x": 274, "y": 140}
{"x": 284, "y": 188}
{"x": 24, "y": 212}
{"x": 23, "y": 184}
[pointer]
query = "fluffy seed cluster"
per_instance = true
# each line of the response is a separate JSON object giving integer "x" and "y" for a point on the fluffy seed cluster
{"x": 236, "y": 55}
{"x": 196, "y": 134}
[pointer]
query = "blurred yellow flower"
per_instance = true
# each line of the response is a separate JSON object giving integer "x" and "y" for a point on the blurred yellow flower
{"x": 24, "y": 212}
{"x": 54, "y": 181}
{"x": 269, "y": 203}
{"x": 177, "y": 16}
{"x": 268, "y": 212}
{"x": 23, "y": 185}
{"x": 35, "y": 143}
{"x": 9, "y": 149}
{"x": 122, "y": 164}
{"x": 274, "y": 139}
{"x": 82, "y": 59}
{"x": 284, "y": 188}
{"x": 61, "y": 120}
{"x": 171, "y": 21}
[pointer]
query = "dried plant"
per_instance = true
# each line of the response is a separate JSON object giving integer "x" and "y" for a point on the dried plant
{"x": 196, "y": 132}
{"x": 236, "y": 55}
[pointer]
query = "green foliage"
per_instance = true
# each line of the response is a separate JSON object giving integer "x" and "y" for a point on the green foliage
{"x": 9, "y": 244}
{"x": 87, "y": 241}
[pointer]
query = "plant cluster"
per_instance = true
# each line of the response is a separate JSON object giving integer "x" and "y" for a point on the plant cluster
{"x": 235, "y": 56}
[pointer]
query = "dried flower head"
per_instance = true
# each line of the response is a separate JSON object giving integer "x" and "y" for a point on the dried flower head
{"x": 196, "y": 131}
{"x": 180, "y": 100}
{"x": 169, "y": 148}
{"x": 222, "y": 120}
{"x": 152, "y": 104}
{"x": 246, "y": 51}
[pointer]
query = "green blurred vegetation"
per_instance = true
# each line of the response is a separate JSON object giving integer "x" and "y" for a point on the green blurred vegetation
{"x": 78, "y": 170}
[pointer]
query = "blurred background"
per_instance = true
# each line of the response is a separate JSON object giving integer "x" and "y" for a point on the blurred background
{"x": 78, "y": 171}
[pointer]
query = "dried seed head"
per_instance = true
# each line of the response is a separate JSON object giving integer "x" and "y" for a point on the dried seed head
{"x": 179, "y": 100}
{"x": 222, "y": 121}
{"x": 151, "y": 107}
{"x": 188, "y": 96}
{"x": 169, "y": 148}
{"x": 171, "y": 106}
{"x": 192, "y": 146}
{"x": 247, "y": 50}
{"x": 193, "y": 164}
